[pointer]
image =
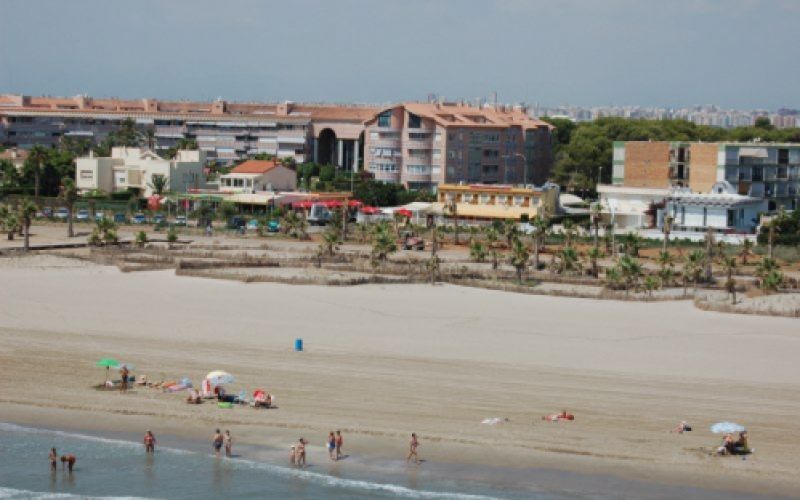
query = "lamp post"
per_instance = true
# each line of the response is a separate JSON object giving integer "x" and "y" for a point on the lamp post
{"x": 524, "y": 165}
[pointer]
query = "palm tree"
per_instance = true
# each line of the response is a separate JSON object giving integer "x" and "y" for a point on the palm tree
{"x": 491, "y": 243}
{"x": 451, "y": 208}
{"x": 773, "y": 228}
{"x": 668, "y": 220}
{"x": 694, "y": 264}
{"x": 539, "y": 234}
{"x": 594, "y": 254}
{"x": 746, "y": 251}
{"x": 613, "y": 277}
{"x": 27, "y": 211}
{"x": 159, "y": 184}
{"x": 766, "y": 266}
{"x": 650, "y": 283}
{"x": 383, "y": 244}
{"x": 289, "y": 223}
{"x": 330, "y": 241}
{"x": 569, "y": 231}
{"x": 595, "y": 213}
{"x": 631, "y": 271}
{"x": 729, "y": 265}
{"x": 432, "y": 266}
{"x": 36, "y": 159}
{"x": 632, "y": 243}
{"x": 8, "y": 221}
{"x": 69, "y": 195}
{"x": 569, "y": 260}
{"x": 709, "y": 261}
{"x": 519, "y": 257}
{"x": 772, "y": 281}
{"x": 510, "y": 231}
{"x": 363, "y": 232}
{"x": 477, "y": 251}
{"x": 665, "y": 274}
{"x": 665, "y": 259}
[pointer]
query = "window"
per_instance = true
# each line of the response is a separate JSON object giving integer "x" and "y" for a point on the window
{"x": 418, "y": 169}
{"x": 385, "y": 119}
{"x": 519, "y": 200}
{"x": 491, "y": 169}
{"x": 414, "y": 121}
{"x": 419, "y": 136}
{"x": 501, "y": 199}
{"x": 383, "y": 167}
{"x": 466, "y": 197}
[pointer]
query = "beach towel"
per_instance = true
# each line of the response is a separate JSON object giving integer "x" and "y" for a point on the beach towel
{"x": 494, "y": 421}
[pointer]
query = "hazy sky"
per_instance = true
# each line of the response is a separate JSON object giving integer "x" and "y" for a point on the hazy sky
{"x": 734, "y": 53}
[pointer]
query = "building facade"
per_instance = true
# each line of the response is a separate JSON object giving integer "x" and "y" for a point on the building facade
{"x": 423, "y": 145}
{"x": 134, "y": 168}
{"x": 759, "y": 170}
{"x": 225, "y": 131}
{"x": 254, "y": 176}
{"x": 493, "y": 202}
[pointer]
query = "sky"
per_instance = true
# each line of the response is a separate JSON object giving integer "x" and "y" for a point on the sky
{"x": 741, "y": 54}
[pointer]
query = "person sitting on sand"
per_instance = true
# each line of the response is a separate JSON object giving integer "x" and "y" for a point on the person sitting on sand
{"x": 740, "y": 447}
{"x": 142, "y": 380}
{"x": 53, "y": 459}
{"x": 69, "y": 461}
{"x": 194, "y": 397}
{"x": 682, "y": 427}
{"x": 727, "y": 446}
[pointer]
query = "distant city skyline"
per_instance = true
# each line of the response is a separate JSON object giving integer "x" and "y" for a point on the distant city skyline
{"x": 736, "y": 54}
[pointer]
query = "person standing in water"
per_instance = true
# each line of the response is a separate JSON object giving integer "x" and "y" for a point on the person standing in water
{"x": 149, "y": 442}
{"x": 339, "y": 442}
{"x": 69, "y": 461}
{"x": 53, "y": 459}
{"x": 332, "y": 446}
{"x": 412, "y": 449}
{"x": 228, "y": 443}
{"x": 300, "y": 450}
{"x": 217, "y": 442}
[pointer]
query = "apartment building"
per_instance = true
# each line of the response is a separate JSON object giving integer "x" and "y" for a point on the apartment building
{"x": 423, "y": 145}
{"x": 134, "y": 168}
{"x": 225, "y": 131}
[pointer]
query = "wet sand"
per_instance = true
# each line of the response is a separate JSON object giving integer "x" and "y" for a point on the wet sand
{"x": 385, "y": 360}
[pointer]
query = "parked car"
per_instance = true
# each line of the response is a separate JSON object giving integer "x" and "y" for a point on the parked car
{"x": 82, "y": 215}
{"x": 99, "y": 215}
{"x": 412, "y": 242}
{"x": 180, "y": 220}
{"x": 273, "y": 226}
{"x": 139, "y": 218}
{"x": 319, "y": 215}
{"x": 47, "y": 212}
{"x": 236, "y": 222}
{"x": 62, "y": 213}
{"x": 120, "y": 218}
{"x": 159, "y": 219}
{"x": 253, "y": 224}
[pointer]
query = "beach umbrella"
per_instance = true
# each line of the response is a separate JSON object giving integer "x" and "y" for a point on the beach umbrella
{"x": 404, "y": 212}
{"x": 354, "y": 203}
{"x": 107, "y": 363}
{"x": 727, "y": 428}
{"x": 219, "y": 377}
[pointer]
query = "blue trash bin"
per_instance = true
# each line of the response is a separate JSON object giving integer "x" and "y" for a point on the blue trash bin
{"x": 298, "y": 345}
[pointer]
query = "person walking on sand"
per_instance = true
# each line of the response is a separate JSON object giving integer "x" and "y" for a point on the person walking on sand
{"x": 149, "y": 442}
{"x": 228, "y": 443}
{"x": 300, "y": 450}
{"x": 332, "y": 446}
{"x": 123, "y": 387}
{"x": 53, "y": 459}
{"x": 217, "y": 442}
{"x": 339, "y": 442}
{"x": 412, "y": 449}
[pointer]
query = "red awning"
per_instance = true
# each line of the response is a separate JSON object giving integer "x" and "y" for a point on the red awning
{"x": 367, "y": 210}
{"x": 333, "y": 204}
{"x": 302, "y": 204}
{"x": 404, "y": 212}
{"x": 354, "y": 203}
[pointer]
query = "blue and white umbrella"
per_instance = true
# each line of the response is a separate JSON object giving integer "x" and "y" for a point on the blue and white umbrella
{"x": 727, "y": 428}
{"x": 219, "y": 377}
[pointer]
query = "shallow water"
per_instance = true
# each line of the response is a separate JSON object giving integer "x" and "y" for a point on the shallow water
{"x": 119, "y": 468}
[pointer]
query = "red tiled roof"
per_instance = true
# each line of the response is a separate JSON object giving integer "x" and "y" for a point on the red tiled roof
{"x": 254, "y": 167}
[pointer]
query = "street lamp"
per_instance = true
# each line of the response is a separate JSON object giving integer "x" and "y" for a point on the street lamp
{"x": 524, "y": 164}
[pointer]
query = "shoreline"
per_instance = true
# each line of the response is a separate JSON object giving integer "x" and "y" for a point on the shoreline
{"x": 503, "y": 480}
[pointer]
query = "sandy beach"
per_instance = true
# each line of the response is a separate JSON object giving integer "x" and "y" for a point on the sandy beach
{"x": 382, "y": 361}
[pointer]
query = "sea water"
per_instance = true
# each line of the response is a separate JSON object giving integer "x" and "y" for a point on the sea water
{"x": 111, "y": 467}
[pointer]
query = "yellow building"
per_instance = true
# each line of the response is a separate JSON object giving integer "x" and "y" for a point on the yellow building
{"x": 493, "y": 201}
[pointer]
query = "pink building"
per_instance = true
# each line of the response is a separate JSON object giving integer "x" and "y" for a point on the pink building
{"x": 422, "y": 145}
